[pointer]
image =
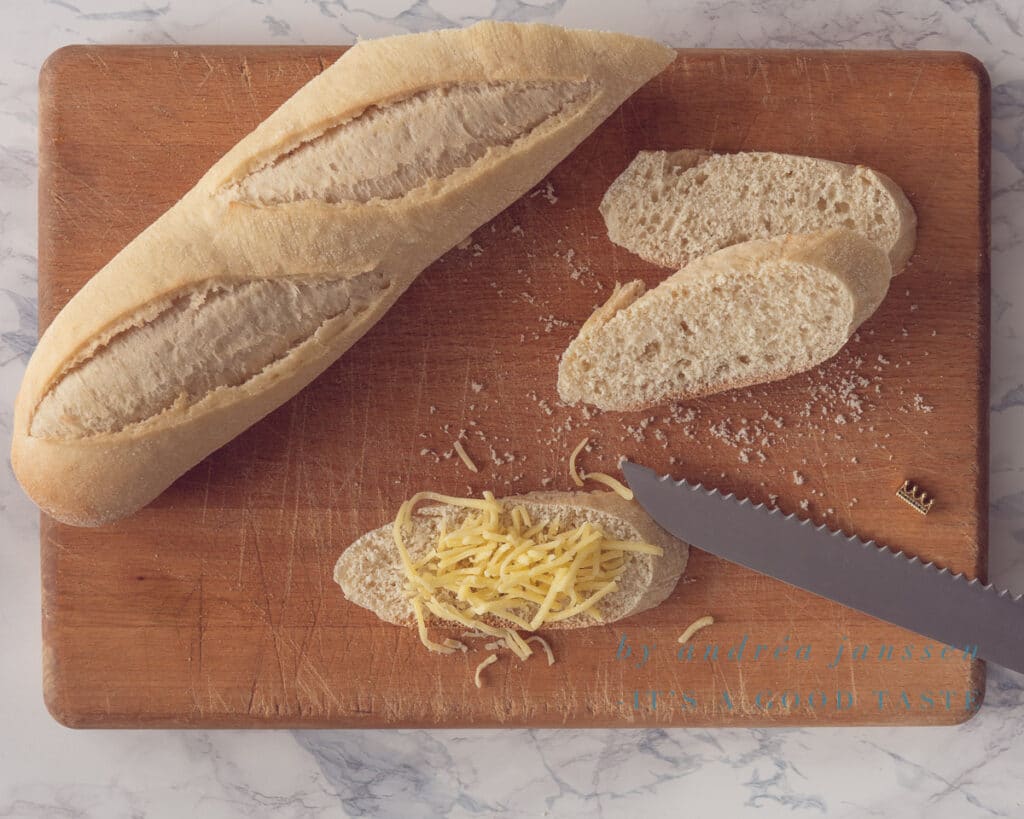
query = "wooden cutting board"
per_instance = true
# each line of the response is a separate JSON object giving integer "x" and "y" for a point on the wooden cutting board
{"x": 215, "y": 606}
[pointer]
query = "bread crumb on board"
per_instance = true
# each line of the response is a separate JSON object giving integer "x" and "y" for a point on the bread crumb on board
{"x": 547, "y": 191}
{"x": 920, "y": 405}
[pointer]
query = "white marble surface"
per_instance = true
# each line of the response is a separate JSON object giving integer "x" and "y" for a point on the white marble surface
{"x": 972, "y": 770}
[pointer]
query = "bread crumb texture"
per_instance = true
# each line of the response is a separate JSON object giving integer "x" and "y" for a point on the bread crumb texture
{"x": 673, "y": 207}
{"x": 747, "y": 314}
{"x": 391, "y": 149}
{"x": 178, "y": 351}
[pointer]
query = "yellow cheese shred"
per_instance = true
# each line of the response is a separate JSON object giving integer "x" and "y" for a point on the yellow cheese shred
{"x": 489, "y": 660}
{"x": 460, "y": 450}
{"x": 544, "y": 645}
{"x": 494, "y": 564}
{"x": 696, "y": 626}
{"x": 573, "y": 472}
{"x": 617, "y": 486}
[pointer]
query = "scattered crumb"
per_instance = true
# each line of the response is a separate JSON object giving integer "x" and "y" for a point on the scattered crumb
{"x": 548, "y": 192}
{"x": 798, "y": 478}
{"x": 920, "y": 405}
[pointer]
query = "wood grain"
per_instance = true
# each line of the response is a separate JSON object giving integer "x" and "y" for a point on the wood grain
{"x": 215, "y": 606}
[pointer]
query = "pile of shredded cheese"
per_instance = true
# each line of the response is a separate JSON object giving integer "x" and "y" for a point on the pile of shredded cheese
{"x": 500, "y": 563}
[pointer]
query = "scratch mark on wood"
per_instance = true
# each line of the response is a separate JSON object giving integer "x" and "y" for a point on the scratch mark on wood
{"x": 206, "y": 490}
{"x": 98, "y": 60}
{"x": 763, "y": 69}
{"x": 913, "y": 87}
{"x": 714, "y": 131}
{"x": 247, "y": 77}
{"x": 210, "y": 69}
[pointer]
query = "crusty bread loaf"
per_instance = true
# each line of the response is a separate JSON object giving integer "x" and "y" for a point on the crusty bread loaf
{"x": 294, "y": 244}
{"x": 673, "y": 207}
{"x": 753, "y": 312}
{"x": 370, "y": 571}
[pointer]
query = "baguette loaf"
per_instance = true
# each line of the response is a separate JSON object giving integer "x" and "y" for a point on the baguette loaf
{"x": 294, "y": 244}
{"x": 753, "y": 312}
{"x": 673, "y": 207}
{"x": 370, "y": 571}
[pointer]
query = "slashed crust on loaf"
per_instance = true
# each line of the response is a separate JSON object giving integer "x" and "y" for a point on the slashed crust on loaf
{"x": 754, "y": 312}
{"x": 264, "y": 230}
{"x": 671, "y": 207}
{"x": 370, "y": 571}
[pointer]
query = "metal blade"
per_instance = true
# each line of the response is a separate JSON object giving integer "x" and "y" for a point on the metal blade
{"x": 860, "y": 574}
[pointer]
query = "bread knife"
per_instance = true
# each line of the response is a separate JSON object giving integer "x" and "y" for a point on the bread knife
{"x": 863, "y": 575}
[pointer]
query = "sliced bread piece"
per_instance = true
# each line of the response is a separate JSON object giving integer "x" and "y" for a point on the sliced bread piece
{"x": 672, "y": 207}
{"x": 371, "y": 575}
{"x": 753, "y": 312}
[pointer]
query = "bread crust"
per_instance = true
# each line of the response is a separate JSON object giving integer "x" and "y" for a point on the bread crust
{"x": 375, "y": 552}
{"x": 205, "y": 236}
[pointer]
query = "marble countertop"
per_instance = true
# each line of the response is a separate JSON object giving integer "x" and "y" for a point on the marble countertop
{"x": 975, "y": 769}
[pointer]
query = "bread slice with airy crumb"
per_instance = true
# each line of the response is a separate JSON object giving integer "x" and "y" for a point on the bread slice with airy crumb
{"x": 753, "y": 312}
{"x": 371, "y": 575}
{"x": 671, "y": 207}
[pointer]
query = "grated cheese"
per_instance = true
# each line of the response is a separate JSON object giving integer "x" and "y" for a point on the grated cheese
{"x": 460, "y": 450}
{"x": 617, "y": 486}
{"x": 578, "y": 478}
{"x": 573, "y": 473}
{"x": 500, "y": 564}
{"x": 544, "y": 645}
{"x": 696, "y": 626}
{"x": 489, "y": 660}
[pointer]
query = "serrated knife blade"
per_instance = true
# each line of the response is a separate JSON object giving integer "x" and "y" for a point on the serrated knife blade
{"x": 863, "y": 575}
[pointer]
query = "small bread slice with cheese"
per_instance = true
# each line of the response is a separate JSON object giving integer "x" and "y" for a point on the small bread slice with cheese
{"x": 578, "y": 529}
{"x": 754, "y": 312}
{"x": 671, "y": 207}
